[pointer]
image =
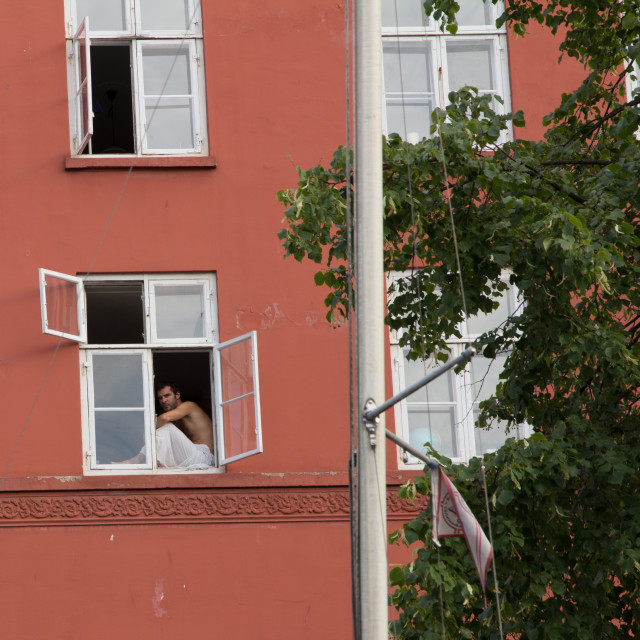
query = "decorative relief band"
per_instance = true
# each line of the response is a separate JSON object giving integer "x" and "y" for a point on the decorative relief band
{"x": 187, "y": 506}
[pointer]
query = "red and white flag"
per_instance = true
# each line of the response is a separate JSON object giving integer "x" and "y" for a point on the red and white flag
{"x": 452, "y": 518}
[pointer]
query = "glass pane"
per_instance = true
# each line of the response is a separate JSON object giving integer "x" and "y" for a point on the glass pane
{"x": 104, "y": 15}
{"x": 165, "y": 15}
{"x": 62, "y": 305}
{"x": 403, "y": 13}
{"x": 489, "y": 440}
{"x": 410, "y": 120}
{"x": 236, "y": 369}
{"x": 407, "y": 67}
{"x": 439, "y": 390}
{"x": 239, "y": 427}
{"x": 119, "y": 435}
{"x": 435, "y": 426}
{"x": 469, "y": 63}
{"x": 169, "y": 124}
{"x": 117, "y": 380}
{"x": 166, "y": 70}
{"x": 474, "y": 13}
{"x": 483, "y": 322}
{"x": 179, "y": 311}
{"x": 485, "y": 374}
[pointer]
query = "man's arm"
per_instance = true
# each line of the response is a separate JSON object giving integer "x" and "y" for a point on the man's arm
{"x": 182, "y": 410}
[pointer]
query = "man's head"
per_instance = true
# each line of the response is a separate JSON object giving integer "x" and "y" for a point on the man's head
{"x": 168, "y": 396}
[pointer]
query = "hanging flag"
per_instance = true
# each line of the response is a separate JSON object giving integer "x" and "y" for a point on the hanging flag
{"x": 452, "y": 518}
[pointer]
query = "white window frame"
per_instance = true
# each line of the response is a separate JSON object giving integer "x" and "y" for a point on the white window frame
{"x": 81, "y": 320}
{"x": 221, "y": 403}
{"x": 463, "y": 401}
{"x": 208, "y": 295}
{"x": 436, "y": 41}
{"x": 136, "y": 37}
{"x": 82, "y": 107}
{"x": 207, "y": 344}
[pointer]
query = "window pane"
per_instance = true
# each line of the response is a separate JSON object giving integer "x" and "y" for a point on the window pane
{"x": 489, "y": 440}
{"x": 236, "y": 367}
{"x": 474, "y": 13}
{"x": 469, "y": 63}
{"x": 165, "y": 15}
{"x": 239, "y": 427}
{"x": 117, "y": 380}
{"x": 483, "y": 322}
{"x": 104, "y": 15}
{"x": 166, "y": 70}
{"x": 411, "y": 121}
{"x": 407, "y": 67}
{"x": 169, "y": 124}
{"x": 435, "y": 426}
{"x": 439, "y": 390}
{"x": 179, "y": 311}
{"x": 62, "y": 305}
{"x": 485, "y": 374}
{"x": 119, "y": 435}
{"x": 403, "y": 13}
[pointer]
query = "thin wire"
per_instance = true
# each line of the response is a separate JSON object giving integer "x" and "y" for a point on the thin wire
{"x": 353, "y": 495}
{"x": 493, "y": 555}
{"x": 441, "y": 592}
{"x": 466, "y": 319}
{"x": 414, "y": 262}
{"x": 89, "y": 270}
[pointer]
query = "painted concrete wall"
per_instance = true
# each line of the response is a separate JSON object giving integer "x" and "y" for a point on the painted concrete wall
{"x": 151, "y": 565}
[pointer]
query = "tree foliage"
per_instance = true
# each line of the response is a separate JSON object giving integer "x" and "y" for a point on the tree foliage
{"x": 561, "y": 216}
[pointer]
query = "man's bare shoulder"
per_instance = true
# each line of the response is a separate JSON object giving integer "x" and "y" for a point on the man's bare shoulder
{"x": 191, "y": 408}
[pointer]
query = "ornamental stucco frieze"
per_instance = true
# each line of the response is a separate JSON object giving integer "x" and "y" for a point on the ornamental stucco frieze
{"x": 186, "y": 506}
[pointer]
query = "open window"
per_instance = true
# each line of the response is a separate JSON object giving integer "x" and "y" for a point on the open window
{"x": 62, "y": 305}
{"x": 83, "y": 110}
{"x": 139, "y": 331}
{"x": 136, "y": 78}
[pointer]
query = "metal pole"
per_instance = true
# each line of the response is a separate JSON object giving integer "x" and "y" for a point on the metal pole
{"x": 370, "y": 305}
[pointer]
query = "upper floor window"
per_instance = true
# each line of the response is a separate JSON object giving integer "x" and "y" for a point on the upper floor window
{"x": 138, "y": 336}
{"x": 443, "y": 413}
{"x": 422, "y": 65}
{"x": 136, "y": 77}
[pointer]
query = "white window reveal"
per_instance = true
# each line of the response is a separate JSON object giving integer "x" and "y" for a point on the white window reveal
{"x": 136, "y": 332}
{"x": 136, "y": 78}
{"x": 443, "y": 413}
{"x": 422, "y": 65}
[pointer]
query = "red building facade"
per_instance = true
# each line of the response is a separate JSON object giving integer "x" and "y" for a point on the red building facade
{"x": 199, "y": 114}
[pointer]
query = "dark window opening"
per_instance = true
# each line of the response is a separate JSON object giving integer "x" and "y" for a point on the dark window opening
{"x": 190, "y": 371}
{"x": 115, "y": 313}
{"x": 112, "y": 100}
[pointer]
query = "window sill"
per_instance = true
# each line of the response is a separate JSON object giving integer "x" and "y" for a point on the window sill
{"x": 139, "y": 162}
{"x": 194, "y": 481}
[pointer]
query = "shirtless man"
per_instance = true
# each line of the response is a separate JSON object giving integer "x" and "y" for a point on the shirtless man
{"x": 187, "y": 416}
{"x": 184, "y": 432}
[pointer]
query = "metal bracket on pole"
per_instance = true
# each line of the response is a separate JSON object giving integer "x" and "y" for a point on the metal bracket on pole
{"x": 371, "y": 425}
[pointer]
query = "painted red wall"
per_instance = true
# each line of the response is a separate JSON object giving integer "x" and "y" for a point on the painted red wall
{"x": 275, "y": 92}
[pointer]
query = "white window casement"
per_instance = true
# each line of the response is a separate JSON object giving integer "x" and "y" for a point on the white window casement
{"x": 422, "y": 65}
{"x": 443, "y": 413}
{"x": 136, "y": 77}
{"x": 633, "y": 81}
{"x": 138, "y": 331}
